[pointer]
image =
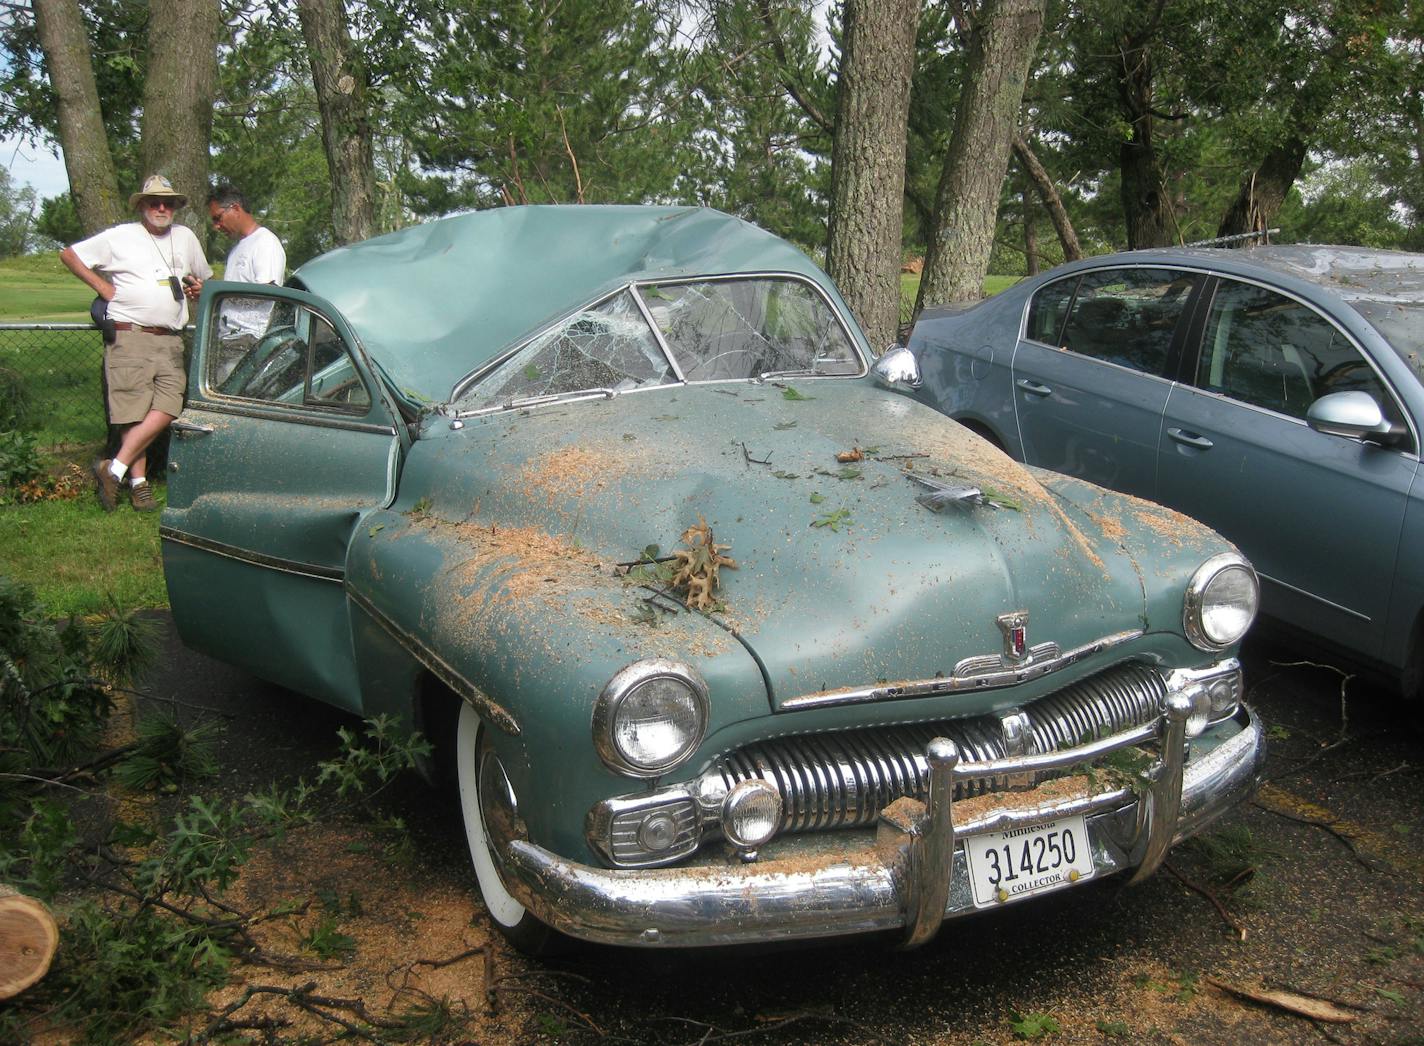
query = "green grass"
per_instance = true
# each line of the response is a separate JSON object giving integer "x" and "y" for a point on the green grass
{"x": 74, "y": 554}
{"x": 37, "y": 288}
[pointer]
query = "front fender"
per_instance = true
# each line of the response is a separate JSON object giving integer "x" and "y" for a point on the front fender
{"x": 529, "y": 630}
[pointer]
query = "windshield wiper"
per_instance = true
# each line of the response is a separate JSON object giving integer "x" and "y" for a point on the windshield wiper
{"x": 558, "y": 397}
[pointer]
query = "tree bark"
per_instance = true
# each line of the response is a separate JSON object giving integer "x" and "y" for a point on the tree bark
{"x": 178, "y": 94}
{"x": 28, "y": 940}
{"x": 1048, "y": 193}
{"x": 92, "y": 181}
{"x": 1001, "y": 48}
{"x": 1146, "y": 207}
{"x": 1264, "y": 191}
{"x": 868, "y": 161}
{"x": 1030, "y": 232}
{"x": 345, "y": 120}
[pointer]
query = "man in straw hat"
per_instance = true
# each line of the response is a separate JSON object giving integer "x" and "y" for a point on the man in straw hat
{"x": 146, "y": 271}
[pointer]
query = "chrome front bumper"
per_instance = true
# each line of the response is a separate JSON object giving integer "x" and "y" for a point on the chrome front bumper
{"x": 911, "y": 872}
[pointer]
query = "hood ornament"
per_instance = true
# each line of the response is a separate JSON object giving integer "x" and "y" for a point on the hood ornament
{"x": 1015, "y": 629}
{"x": 942, "y": 494}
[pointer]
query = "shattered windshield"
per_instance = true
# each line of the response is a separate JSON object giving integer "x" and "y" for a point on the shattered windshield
{"x": 722, "y": 330}
{"x": 1402, "y": 324}
{"x": 605, "y": 347}
{"x": 717, "y": 330}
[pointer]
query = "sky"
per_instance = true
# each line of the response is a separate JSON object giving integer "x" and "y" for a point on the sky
{"x": 34, "y": 166}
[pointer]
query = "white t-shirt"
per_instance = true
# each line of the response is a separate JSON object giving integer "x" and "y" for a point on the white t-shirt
{"x": 256, "y": 258}
{"x": 139, "y": 265}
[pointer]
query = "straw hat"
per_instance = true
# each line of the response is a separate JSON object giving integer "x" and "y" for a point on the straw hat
{"x": 157, "y": 185}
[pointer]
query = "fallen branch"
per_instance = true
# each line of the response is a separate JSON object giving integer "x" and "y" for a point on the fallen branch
{"x": 1325, "y": 826}
{"x": 1290, "y": 1002}
{"x": 1226, "y": 916}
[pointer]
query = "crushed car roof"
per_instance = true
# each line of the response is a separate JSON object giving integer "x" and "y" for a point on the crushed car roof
{"x": 433, "y": 302}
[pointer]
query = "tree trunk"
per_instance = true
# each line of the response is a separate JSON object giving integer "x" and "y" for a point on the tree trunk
{"x": 868, "y": 161}
{"x": 1263, "y": 193}
{"x": 92, "y": 181}
{"x": 1001, "y": 48}
{"x": 28, "y": 940}
{"x": 178, "y": 94}
{"x": 1029, "y": 231}
{"x": 345, "y": 122}
{"x": 1048, "y": 193}
{"x": 1146, "y": 208}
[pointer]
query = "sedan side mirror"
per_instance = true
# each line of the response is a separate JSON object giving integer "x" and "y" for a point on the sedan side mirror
{"x": 898, "y": 367}
{"x": 1353, "y": 415}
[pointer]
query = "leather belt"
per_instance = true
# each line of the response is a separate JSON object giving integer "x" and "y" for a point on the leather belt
{"x": 146, "y": 330}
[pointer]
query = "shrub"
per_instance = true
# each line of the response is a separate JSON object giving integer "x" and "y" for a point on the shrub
{"x": 15, "y": 407}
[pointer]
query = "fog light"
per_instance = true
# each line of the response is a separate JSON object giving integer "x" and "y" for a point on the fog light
{"x": 657, "y": 832}
{"x": 751, "y": 815}
{"x": 1225, "y": 696}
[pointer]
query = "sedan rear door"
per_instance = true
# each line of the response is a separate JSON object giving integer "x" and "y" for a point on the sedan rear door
{"x": 288, "y": 437}
{"x": 1092, "y": 373}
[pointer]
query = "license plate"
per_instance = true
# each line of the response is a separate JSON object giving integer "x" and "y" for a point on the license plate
{"x": 1022, "y": 862}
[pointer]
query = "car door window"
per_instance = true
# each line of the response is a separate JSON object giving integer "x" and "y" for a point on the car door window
{"x": 282, "y": 353}
{"x": 1049, "y": 309}
{"x": 1272, "y": 351}
{"x": 1128, "y": 316}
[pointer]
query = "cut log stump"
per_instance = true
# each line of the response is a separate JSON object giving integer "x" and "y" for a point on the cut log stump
{"x": 28, "y": 940}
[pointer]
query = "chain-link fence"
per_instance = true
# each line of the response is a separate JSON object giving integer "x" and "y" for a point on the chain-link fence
{"x": 52, "y": 383}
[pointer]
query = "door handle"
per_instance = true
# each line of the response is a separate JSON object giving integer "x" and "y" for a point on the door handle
{"x": 1033, "y": 388}
{"x": 1191, "y": 439}
{"x": 187, "y": 428}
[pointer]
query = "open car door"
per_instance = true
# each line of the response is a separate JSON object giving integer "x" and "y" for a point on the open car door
{"x": 287, "y": 439}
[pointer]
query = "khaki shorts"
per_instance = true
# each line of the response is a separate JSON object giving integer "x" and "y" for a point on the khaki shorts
{"x": 144, "y": 372}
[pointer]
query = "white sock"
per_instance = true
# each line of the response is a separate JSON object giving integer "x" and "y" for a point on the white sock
{"x": 138, "y": 481}
{"x": 117, "y": 469}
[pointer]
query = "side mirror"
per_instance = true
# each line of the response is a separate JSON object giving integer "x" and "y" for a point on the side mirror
{"x": 897, "y": 367}
{"x": 1353, "y": 415}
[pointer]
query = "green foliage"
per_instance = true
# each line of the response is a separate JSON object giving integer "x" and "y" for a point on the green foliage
{"x": 168, "y": 755}
{"x": 326, "y": 941}
{"x": 834, "y": 520}
{"x": 15, "y": 406}
{"x": 19, "y": 462}
{"x": 369, "y": 761}
{"x": 1033, "y": 1025}
{"x": 125, "y": 644}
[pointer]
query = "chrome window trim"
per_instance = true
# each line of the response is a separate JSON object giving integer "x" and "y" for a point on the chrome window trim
{"x": 971, "y": 673}
{"x": 468, "y": 381}
{"x": 293, "y": 415}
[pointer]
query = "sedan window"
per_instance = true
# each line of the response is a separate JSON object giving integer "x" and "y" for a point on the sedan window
{"x": 1271, "y": 351}
{"x": 1128, "y": 316}
{"x": 723, "y": 330}
{"x": 283, "y": 353}
{"x": 1048, "y": 311}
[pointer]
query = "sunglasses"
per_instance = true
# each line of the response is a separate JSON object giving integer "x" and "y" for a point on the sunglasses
{"x": 155, "y": 203}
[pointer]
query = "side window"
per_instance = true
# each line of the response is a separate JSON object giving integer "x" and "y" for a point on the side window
{"x": 280, "y": 352}
{"x": 1128, "y": 316}
{"x": 1271, "y": 351}
{"x": 1049, "y": 309}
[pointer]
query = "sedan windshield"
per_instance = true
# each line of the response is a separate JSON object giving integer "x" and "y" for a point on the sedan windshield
{"x": 1402, "y": 324}
{"x": 726, "y": 329}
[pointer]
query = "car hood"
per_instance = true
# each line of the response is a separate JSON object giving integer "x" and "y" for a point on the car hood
{"x": 844, "y": 578}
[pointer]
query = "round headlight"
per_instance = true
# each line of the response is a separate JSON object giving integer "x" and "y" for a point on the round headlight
{"x": 751, "y": 814}
{"x": 650, "y": 717}
{"x": 1221, "y": 602}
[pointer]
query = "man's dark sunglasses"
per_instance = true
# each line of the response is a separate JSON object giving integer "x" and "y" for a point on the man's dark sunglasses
{"x": 159, "y": 201}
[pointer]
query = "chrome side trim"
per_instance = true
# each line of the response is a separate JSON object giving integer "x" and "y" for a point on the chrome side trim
{"x": 490, "y": 711}
{"x": 982, "y": 672}
{"x": 258, "y": 559}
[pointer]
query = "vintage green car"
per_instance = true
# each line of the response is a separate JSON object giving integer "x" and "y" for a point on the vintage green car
{"x": 722, "y": 638}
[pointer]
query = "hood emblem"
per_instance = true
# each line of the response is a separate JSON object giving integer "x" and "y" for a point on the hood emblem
{"x": 1015, "y": 629}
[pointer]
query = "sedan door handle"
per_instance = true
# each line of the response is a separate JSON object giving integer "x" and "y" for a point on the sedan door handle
{"x": 1191, "y": 439}
{"x": 1033, "y": 388}
{"x": 183, "y": 428}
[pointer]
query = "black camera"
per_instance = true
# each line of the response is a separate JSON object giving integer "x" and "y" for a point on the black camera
{"x": 176, "y": 288}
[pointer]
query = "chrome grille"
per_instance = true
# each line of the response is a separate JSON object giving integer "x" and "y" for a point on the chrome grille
{"x": 844, "y": 779}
